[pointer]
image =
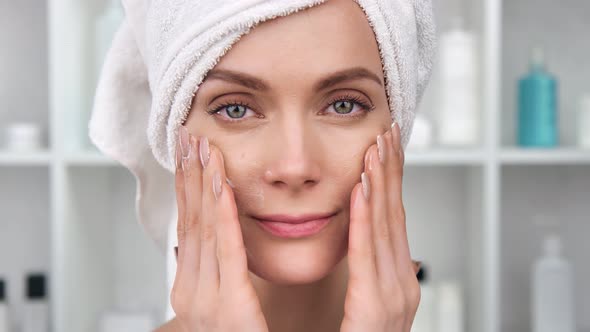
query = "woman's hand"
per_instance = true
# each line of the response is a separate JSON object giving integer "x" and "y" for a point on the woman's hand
{"x": 212, "y": 290}
{"x": 383, "y": 291}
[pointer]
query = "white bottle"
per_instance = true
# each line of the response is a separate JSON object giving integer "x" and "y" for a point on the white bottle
{"x": 552, "y": 291}
{"x": 105, "y": 29}
{"x": 4, "y": 323}
{"x": 451, "y": 316}
{"x": 36, "y": 307}
{"x": 425, "y": 316}
{"x": 459, "y": 114}
{"x": 421, "y": 133}
{"x": 584, "y": 122}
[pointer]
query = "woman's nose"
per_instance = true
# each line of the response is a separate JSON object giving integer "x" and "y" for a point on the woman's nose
{"x": 294, "y": 163}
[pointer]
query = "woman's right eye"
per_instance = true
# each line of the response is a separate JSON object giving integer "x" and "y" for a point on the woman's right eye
{"x": 232, "y": 112}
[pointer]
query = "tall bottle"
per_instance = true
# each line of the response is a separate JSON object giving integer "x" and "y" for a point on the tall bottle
{"x": 425, "y": 316}
{"x": 36, "y": 306}
{"x": 552, "y": 290}
{"x": 4, "y": 323}
{"x": 537, "y": 105}
{"x": 105, "y": 28}
{"x": 458, "y": 113}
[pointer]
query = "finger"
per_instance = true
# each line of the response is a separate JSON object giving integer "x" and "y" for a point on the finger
{"x": 361, "y": 251}
{"x": 386, "y": 269}
{"x": 233, "y": 266}
{"x": 193, "y": 187}
{"x": 209, "y": 268}
{"x": 180, "y": 201}
{"x": 186, "y": 278}
{"x": 398, "y": 222}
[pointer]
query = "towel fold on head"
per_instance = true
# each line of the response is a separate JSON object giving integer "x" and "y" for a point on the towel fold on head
{"x": 163, "y": 51}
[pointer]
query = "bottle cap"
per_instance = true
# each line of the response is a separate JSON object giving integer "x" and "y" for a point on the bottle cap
{"x": 36, "y": 286}
{"x": 537, "y": 57}
{"x": 2, "y": 291}
{"x": 422, "y": 274}
{"x": 552, "y": 245}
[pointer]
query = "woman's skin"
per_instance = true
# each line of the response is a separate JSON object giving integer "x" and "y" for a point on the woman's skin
{"x": 294, "y": 139}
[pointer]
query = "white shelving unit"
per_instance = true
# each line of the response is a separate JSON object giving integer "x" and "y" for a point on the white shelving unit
{"x": 469, "y": 210}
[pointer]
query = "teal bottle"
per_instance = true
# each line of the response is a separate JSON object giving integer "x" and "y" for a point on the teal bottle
{"x": 537, "y": 105}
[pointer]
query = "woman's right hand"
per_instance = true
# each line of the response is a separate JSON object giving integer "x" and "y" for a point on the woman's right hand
{"x": 212, "y": 290}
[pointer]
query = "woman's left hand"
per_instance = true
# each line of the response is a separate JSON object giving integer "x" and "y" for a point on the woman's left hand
{"x": 383, "y": 291}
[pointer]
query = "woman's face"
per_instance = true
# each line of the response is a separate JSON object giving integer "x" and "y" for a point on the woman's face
{"x": 299, "y": 99}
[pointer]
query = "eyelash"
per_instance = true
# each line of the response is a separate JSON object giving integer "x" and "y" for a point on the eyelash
{"x": 365, "y": 107}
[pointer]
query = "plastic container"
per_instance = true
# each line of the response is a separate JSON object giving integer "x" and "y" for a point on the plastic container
{"x": 421, "y": 134}
{"x": 4, "y": 323}
{"x": 459, "y": 107}
{"x": 36, "y": 306}
{"x": 425, "y": 320}
{"x": 552, "y": 290}
{"x": 23, "y": 137}
{"x": 584, "y": 122}
{"x": 537, "y": 105}
{"x": 451, "y": 315}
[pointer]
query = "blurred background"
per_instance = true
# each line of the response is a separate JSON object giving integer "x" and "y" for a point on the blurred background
{"x": 496, "y": 187}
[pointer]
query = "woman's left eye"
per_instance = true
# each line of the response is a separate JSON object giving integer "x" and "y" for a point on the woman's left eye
{"x": 350, "y": 105}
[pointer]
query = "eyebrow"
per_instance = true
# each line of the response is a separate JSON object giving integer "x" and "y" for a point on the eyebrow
{"x": 332, "y": 79}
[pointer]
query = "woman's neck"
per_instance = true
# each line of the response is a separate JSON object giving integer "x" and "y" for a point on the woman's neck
{"x": 310, "y": 307}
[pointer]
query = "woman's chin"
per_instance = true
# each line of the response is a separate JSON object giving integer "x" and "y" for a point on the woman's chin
{"x": 295, "y": 263}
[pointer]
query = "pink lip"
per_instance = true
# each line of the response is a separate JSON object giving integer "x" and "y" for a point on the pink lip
{"x": 293, "y": 227}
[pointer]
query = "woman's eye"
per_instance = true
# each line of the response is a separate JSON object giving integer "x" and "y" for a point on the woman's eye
{"x": 232, "y": 112}
{"x": 350, "y": 107}
{"x": 235, "y": 111}
{"x": 343, "y": 106}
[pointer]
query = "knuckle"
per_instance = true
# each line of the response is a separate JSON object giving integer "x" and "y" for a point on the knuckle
{"x": 208, "y": 232}
{"x": 383, "y": 230}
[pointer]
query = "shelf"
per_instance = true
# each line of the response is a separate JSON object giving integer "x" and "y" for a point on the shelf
{"x": 40, "y": 158}
{"x": 445, "y": 157}
{"x": 90, "y": 158}
{"x": 569, "y": 156}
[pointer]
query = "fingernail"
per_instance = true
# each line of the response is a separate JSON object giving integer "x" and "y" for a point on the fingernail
{"x": 204, "y": 151}
{"x": 178, "y": 157}
{"x": 217, "y": 185}
{"x": 188, "y": 162}
{"x": 230, "y": 183}
{"x": 396, "y": 133}
{"x": 366, "y": 185}
{"x": 184, "y": 141}
{"x": 176, "y": 252}
{"x": 380, "y": 147}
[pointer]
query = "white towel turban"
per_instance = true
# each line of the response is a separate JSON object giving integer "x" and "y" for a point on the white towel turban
{"x": 163, "y": 51}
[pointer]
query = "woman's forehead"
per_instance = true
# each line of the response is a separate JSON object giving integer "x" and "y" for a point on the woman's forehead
{"x": 327, "y": 38}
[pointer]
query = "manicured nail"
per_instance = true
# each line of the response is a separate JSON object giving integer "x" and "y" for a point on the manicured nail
{"x": 366, "y": 185}
{"x": 217, "y": 185}
{"x": 188, "y": 162}
{"x": 380, "y": 147}
{"x": 396, "y": 134}
{"x": 184, "y": 141}
{"x": 178, "y": 157}
{"x": 204, "y": 151}
{"x": 230, "y": 183}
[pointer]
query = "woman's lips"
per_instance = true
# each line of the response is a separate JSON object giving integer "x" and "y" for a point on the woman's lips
{"x": 293, "y": 228}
